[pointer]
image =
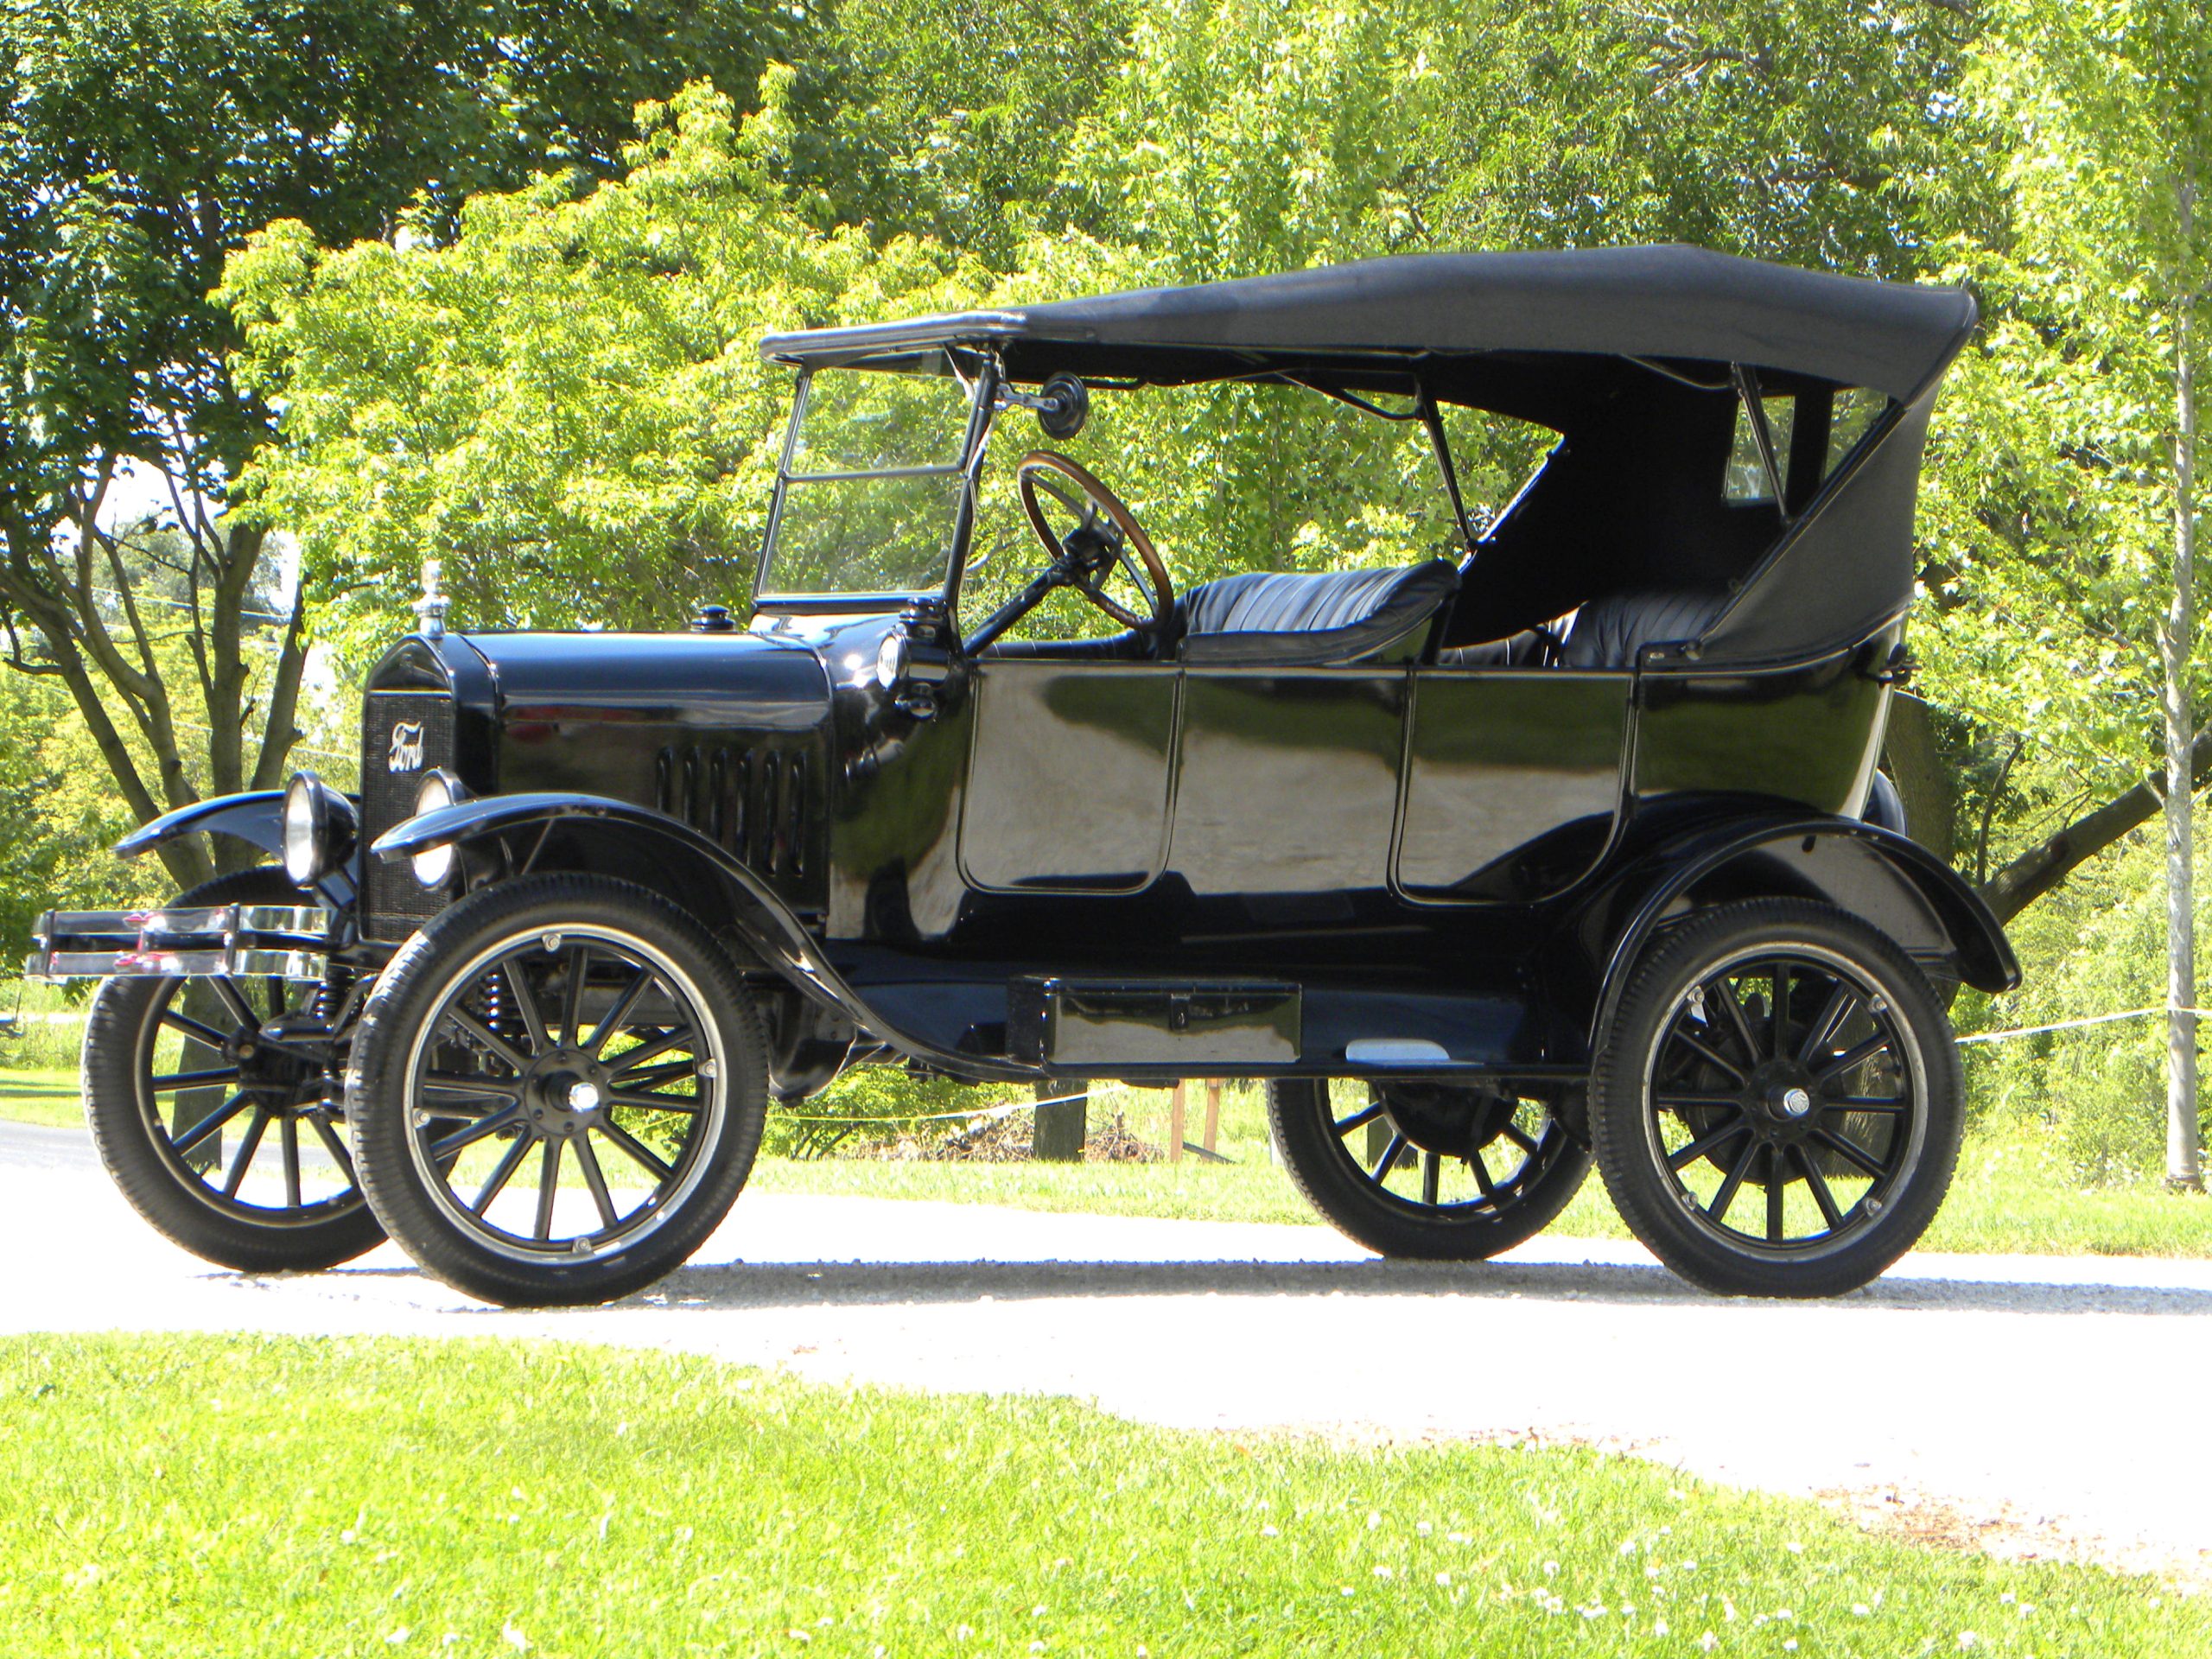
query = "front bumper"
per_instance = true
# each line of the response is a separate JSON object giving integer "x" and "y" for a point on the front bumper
{"x": 226, "y": 942}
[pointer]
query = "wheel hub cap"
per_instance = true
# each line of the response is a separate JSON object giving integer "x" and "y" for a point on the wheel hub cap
{"x": 564, "y": 1092}
{"x": 1781, "y": 1100}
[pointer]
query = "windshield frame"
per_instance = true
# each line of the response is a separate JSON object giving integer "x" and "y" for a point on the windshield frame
{"x": 982, "y": 376}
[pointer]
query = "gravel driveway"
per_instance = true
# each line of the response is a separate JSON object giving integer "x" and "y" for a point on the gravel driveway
{"x": 2031, "y": 1404}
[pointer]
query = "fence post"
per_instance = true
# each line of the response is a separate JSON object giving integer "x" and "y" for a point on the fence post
{"x": 1057, "y": 1134}
{"x": 1175, "y": 1126}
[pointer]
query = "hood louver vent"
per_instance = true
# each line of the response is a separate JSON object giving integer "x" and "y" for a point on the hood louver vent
{"x": 753, "y": 801}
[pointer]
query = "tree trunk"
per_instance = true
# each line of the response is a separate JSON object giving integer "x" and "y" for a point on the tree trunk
{"x": 2182, "y": 1167}
{"x": 2047, "y": 863}
{"x": 1925, "y": 783}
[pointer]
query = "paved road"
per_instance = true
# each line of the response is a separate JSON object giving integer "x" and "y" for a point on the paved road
{"x": 2043, "y": 1404}
{"x": 34, "y": 1146}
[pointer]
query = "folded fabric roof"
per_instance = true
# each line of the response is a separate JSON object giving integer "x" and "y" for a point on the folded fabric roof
{"x": 1669, "y": 302}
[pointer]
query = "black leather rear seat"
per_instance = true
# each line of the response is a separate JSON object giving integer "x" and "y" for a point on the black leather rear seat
{"x": 1301, "y": 620}
{"x": 1608, "y": 632}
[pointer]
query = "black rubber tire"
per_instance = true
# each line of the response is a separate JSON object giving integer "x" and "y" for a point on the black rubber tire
{"x": 408, "y": 994}
{"x": 117, "y": 1033}
{"x": 1357, "y": 1207}
{"x": 1631, "y": 1161}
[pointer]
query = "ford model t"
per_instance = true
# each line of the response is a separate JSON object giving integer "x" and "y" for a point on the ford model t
{"x": 1569, "y": 845}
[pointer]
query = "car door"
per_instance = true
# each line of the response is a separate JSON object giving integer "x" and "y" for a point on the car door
{"x": 1069, "y": 775}
{"x": 1287, "y": 779}
{"x": 1513, "y": 780}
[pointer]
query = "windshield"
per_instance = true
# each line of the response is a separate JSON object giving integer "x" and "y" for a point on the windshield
{"x": 873, "y": 481}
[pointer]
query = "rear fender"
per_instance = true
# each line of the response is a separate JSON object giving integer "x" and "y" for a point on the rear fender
{"x": 592, "y": 833}
{"x": 1891, "y": 883}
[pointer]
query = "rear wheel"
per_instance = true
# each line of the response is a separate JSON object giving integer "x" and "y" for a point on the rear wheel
{"x": 1777, "y": 1107}
{"x": 1431, "y": 1170}
{"x": 558, "y": 1088}
{"x": 215, "y": 1106}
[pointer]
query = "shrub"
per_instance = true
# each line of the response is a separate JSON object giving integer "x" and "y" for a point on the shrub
{"x": 872, "y": 1103}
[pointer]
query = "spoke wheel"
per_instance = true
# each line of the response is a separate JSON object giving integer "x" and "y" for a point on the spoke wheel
{"x": 1777, "y": 1108}
{"x": 215, "y": 1106}
{"x": 1436, "y": 1171}
{"x": 560, "y": 1084}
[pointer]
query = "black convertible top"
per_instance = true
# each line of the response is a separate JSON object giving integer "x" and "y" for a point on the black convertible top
{"x": 1671, "y": 303}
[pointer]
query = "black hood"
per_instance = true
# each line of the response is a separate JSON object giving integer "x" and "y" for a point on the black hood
{"x": 712, "y": 681}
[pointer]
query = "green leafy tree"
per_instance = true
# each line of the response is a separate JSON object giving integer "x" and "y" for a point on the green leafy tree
{"x": 140, "y": 141}
{"x": 567, "y": 404}
{"x": 2090, "y": 388}
{"x": 1809, "y": 131}
{"x": 949, "y": 119}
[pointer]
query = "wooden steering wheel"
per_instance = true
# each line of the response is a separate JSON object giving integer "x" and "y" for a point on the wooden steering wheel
{"x": 1086, "y": 556}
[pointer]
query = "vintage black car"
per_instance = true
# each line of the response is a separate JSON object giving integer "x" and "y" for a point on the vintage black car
{"x": 1570, "y": 844}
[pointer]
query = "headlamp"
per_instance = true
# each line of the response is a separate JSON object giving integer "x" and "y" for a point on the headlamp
{"x": 319, "y": 828}
{"x": 434, "y": 866}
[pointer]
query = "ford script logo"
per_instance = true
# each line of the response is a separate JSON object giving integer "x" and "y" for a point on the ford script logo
{"x": 406, "y": 747}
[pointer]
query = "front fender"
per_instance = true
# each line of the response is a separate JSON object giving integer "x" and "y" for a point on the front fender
{"x": 257, "y": 817}
{"x": 691, "y": 869}
{"x": 1891, "y": 883}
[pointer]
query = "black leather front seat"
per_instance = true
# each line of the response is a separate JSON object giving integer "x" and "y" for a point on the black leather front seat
{"x": 1301, "y": 620}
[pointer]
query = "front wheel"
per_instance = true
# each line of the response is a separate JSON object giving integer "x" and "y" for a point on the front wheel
{"x": 1435, "y": 1172}
{"x": 558, "y": 1091}
{"x": 1777, "y": 1107}
{"x": 213, "y": 1104}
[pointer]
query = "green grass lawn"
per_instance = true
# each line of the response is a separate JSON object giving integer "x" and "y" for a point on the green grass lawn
{"x": 248, "y": 1496}
{"x": 42, "y": 1097}
{"x": 2011, "y": 1193}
